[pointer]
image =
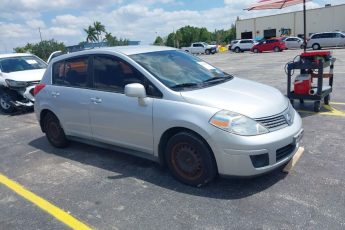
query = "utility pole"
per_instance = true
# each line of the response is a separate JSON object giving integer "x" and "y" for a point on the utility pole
{"x": 39, "y": 30}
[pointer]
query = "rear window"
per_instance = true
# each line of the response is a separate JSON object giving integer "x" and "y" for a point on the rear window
{"x": 71, "y": 72}
{"x": 15, "y": 64}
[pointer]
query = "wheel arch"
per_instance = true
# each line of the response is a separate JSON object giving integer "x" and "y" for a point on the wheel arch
{"x": 170, "y": 133}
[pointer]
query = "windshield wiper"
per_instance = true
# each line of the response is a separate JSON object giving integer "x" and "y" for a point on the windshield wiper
{"x": 217, "y": 79}
{"x": 185, "y": 85}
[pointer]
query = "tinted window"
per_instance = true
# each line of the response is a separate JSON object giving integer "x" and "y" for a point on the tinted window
{"x": 315, "y": 36}
{"x": 71, "y": 72}
{"x": 14, "y": 64}
{"x": 112, "y": 74}
{"x": 197, "y": 45}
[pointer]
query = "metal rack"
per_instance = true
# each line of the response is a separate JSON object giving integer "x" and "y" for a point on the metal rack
{"x": 307, "y": 66}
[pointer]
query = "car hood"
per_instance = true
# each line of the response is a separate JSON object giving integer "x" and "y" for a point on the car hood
{"x": 25, "y": 75}
{"x": 246, "y": 97}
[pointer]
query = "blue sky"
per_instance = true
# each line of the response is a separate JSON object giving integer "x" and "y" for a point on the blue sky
{"x": 142, "y": 20}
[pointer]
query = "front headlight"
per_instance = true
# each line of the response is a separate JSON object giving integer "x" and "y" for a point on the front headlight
{"x": 237, "y": 123}
{"x": 16, "y": 84}
{"x": 290, "y": 115}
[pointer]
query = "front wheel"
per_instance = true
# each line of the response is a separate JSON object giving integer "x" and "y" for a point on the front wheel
{"x": 276, "y": 49}
{"x": 317, "y": 106}
{"x": 327, "y": 99}
{"x": 190, "y": 160}
{"x": 207, "y": 52}
{"x": 54, "y": 132}
{"x": 255, "y": 50}
{"x": 316, "y": 46}
{"x": 5, "y": 103}
{"x": 237, "y": 49}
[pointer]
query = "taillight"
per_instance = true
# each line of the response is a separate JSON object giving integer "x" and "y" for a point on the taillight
{"x": 38, "y": 88}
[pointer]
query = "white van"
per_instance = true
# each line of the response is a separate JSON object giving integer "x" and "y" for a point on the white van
{"x": 326, "y": 39}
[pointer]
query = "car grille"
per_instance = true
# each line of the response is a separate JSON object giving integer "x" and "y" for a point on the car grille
{"x": 273, "y": 123}
{"x": 284, "y": 152}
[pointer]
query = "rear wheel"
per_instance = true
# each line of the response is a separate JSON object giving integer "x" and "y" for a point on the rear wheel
{"x": 5, "y": 103}
{"x": 54, "y": 132}
{"x": 276, "y": 49}
{"x": 190, "y": 160}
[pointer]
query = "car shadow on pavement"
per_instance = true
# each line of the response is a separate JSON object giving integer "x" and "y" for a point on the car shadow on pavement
{"x": 126, "y": 166}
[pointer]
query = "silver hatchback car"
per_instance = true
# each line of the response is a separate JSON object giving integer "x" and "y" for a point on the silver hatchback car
{"x": 168, "y": 106}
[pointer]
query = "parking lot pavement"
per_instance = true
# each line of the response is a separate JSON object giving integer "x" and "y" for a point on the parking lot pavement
{"x": 109, "y": 190}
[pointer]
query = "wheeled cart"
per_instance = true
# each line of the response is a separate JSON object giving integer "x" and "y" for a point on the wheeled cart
{"x": 313, "y": 64}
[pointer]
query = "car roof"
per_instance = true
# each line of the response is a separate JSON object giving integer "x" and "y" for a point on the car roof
{"x": 15, "y": 55}
{"x": 126, "y": 50}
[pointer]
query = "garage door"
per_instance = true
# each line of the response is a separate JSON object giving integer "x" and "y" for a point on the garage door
{"x": 270, "y": 33}
{"x": 246, "y": 35}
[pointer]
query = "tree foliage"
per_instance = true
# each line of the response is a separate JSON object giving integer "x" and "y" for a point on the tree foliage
{"x": 189, "y": 34}
{"x": 159, "y": 41}
{"x": 42, "y": 49}
{"x": 98, "y": 33}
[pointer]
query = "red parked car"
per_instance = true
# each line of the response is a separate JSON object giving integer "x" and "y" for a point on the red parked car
{"x": 275, "y": 44}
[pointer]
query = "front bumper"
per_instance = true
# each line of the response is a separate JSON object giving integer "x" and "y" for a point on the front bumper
{"x": 254, "y": 155}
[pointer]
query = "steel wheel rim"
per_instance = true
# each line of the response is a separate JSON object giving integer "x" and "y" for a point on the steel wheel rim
{"x": 53, "y": 130}
{"x": 187, "y": 161}
{"x": 4, "y": 104}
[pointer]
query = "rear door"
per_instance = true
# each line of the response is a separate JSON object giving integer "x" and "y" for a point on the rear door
{"x": 115, "y": 118}
{"x": 70, "y": 95}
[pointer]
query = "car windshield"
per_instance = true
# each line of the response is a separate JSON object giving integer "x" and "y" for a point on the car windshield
{"x": 14, "y": 64}
{"x": 179, "y": 70}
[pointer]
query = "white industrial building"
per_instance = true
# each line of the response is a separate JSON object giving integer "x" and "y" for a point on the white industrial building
{"x": 328, "y": 18}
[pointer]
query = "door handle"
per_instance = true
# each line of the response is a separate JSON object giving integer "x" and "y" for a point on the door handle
{"x": 96, "y": 100}
{"x": 55, "y": 94}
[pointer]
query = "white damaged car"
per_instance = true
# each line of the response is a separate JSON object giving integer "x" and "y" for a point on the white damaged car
{"x": 19, "y": 73}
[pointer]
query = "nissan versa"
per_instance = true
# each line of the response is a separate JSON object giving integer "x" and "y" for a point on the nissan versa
{"x": 168, "y": 106}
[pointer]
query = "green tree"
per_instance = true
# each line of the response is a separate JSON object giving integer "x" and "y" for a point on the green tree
{"x": 170, "y": 40}
{"x": 42, "y": 49}
{"x": 99, "y": 28}
{"x": 91, "y": 34}
{"x": 159, "y": 41}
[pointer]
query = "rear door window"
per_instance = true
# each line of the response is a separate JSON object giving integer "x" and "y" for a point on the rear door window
{"x": 71, "y": 72}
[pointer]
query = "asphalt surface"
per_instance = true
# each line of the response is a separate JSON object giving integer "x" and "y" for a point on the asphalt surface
{"x": 110, "y": 190}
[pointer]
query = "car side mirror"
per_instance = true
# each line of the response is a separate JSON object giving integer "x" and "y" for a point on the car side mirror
{"x": 136, "y": 90}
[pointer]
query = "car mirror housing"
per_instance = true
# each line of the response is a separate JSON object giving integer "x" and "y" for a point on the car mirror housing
{"x": 135, "y": 90}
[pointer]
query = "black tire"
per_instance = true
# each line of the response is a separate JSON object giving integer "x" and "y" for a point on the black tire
{"x": 302, "y": 47}
{"x": 276, "y": 49}
{"x": 301, "y": 101}
{"x": 255, "y": 50}
{"x": 316, "y": 46}
{"x": 207, "y": 52}
{"x": 237, "y": 49}
{"x": 54, "y": 132}
{"x": 190, "y": 160}
{"x": 5, "y": 103}
{"x": 327, "y": 99}
{"x": 317, "y": 106}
